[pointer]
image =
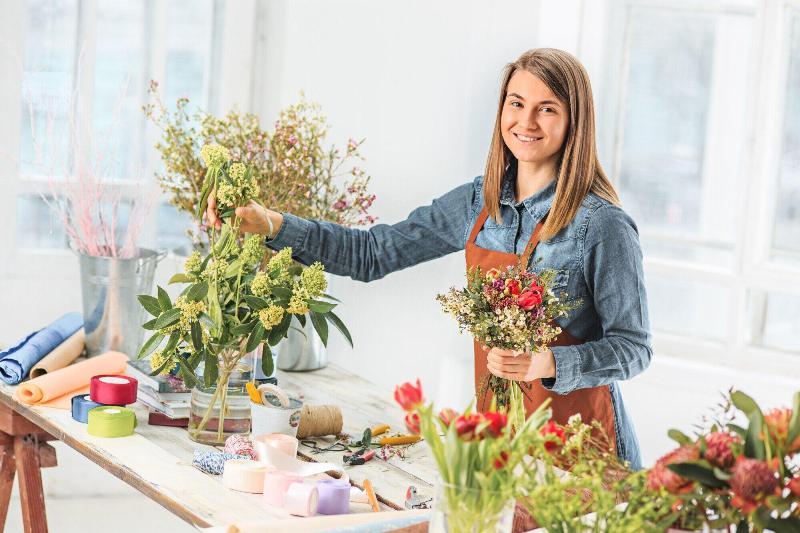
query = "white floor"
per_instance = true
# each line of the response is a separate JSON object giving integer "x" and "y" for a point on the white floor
{"x": 81, "y": 497}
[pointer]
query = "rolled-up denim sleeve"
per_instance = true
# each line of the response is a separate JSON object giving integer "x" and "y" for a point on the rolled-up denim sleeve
{"x": 429, "y": 232}
{"x": 612, "y": 267}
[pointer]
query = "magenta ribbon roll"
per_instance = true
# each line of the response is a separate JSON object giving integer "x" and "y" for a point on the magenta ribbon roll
{"x": 113, "y": 389}
{"x": 334, "y": 496}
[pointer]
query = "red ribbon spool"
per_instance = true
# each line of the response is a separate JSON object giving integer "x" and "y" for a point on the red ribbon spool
{"x": 113, "y": 389}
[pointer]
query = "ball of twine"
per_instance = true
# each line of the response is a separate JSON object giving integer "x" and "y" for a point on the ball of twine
{"x": 240, "y": 445}
{"x": 319, "y": 420}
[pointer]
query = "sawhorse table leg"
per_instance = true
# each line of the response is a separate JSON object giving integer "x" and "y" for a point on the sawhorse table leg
{"x": 24, "y": 451}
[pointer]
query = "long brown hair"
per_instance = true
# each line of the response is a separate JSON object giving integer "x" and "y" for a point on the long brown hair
{"x": 579, "y": 170}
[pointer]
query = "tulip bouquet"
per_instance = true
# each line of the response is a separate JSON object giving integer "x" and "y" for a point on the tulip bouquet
{"x": 512, "y": 309}
{"x": 477, "y": 454}
{"x": 734, "y": 475}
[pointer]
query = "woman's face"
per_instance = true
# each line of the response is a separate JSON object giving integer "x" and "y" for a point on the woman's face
{"x": 533, "y": 122}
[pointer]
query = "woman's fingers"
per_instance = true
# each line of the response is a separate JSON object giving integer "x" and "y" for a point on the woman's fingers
{"x": 211, "y": 211}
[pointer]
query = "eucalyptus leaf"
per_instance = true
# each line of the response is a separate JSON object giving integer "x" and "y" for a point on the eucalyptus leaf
{"x": 321, "y": 326}
{"x": 150, "y": 304}
{"x": 149, "y": 346}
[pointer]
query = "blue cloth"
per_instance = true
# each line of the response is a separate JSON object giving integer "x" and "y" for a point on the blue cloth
{"x": 17, "y": 361}
{"x": 598, "y": 258}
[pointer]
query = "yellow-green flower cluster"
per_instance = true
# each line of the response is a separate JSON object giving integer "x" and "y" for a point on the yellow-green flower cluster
{"x": 270, "y": 316}
{"x": 159, "y": 358}
{"x": 298, "y": 303}
{"x": 279, "y": 263}
{"x": 261, "y": 285}
{"x": 190, "y": 311}
{"x": 313, "y": 279}
{"x": 219, "y": 267}
{"x": 192, "y": 263}
{"x": 240, "y": 187}
{"x": 214, "y": 155}
{"x": 252, "y": 250}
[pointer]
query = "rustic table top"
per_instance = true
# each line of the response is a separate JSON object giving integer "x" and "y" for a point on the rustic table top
{"x": 157, "y": 459}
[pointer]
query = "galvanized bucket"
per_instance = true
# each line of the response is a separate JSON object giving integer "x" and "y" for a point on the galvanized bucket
{"x": 112, "y": 314}
{"x": 301, "y": 351}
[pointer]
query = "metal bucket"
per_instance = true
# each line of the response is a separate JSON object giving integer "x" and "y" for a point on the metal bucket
{"x": 112, "y": 314}
{"x": 298, "y": 352}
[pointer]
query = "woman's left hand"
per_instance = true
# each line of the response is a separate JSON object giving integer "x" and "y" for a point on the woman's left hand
{"x": 521, "y": 366}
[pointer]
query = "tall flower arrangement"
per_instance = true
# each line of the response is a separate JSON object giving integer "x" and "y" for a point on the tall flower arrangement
{"x": 231, "y": 305}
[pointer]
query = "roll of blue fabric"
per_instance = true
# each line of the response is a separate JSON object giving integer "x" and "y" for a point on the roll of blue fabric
{"x": 81, "y": 404}
{"x": 17, "y": 361}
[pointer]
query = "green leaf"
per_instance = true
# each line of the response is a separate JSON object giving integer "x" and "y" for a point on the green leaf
{"x": 197, "y": 335}
{"x": 150, "y": 303}
{"x": 150, "y": 324}
{"x": 256, "y": 303}
{"x": 172, "y": 343}
{"x": 321, "y": 325}
{"x": 205, "y": 192}
{"x": 227, "y": 213}
{"x": 282, "y": 292}
{"x": 214, "y": 310}
{"x": 255, "y": 338}
{"x": 163, "y": 299}
{"x": 794, "y": 424}
{"x": 698, "y": 473}
{"x": 679, "y": 437}
{"x": 167, "y": 318}
{"x": 739, "y": 430}
{"x": 167, "y": 361}
{"x": 279, "y": 331}
{"x": 338, "y": 324}
{"x": 301, "y": 319}
{"x": 243, "y": 329}
{"x": 745, "y": 403}
{"x": 149, "y": 346}
{"x": 329, "y": 297}
{"x": 210, "y": 369}
{"x": 186, "y": 373}
{"x": 197, "y": 292}
{"x": 180, "y": 277}
{"x": 295, "y": 270}
{"x": 753, "y": 445}
{"x": 267, "y": 363}
{"x": 320, "y": 307}
{"x": 233, "y": 268}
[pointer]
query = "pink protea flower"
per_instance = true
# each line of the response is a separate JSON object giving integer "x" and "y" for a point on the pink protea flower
{"x": 778, "y": 426}
{"x": 751, "y": 481}
{"x": 661, "y": 476}
{"x": 720, "y": 449}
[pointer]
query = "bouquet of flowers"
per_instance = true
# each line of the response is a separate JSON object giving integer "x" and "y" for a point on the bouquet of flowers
{"x": 512, "y": 309}
{"x": 734, "y": 475}
{"x": 476, "y": 455}
{"x": 231, "y": 305}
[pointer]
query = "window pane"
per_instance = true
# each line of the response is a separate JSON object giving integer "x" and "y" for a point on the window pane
{"x": 172, "y": 227}
{"x": 119, "y": 80}
{"x": 774, "y": 320}
{"x": 47, "y": 85}
{"x": 691, "y": 308}
{"x": 38, "y": 226}
{"x": 786, "y": 237}
{"x": 680, "y": 157}
{"x": 188, "y": 50}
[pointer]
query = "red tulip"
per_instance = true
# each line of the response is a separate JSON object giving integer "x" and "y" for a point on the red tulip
{"x": 408, "y": 396}
{"x": 501, "y": 461}
{"x": 465, "y": 426}
{"x": 513, "y": 286}
{"x": 447, "y": 415}
{"x": 497, "y": 421}
{"x": 412, "y": 422}
{"x": 529, "y": 299}
{"x": 553, "y": 434}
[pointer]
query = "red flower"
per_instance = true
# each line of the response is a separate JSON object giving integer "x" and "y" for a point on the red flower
{"x": 412, "y": 422}
{"x": 408, "y": 396}
{"x": 794, "y": 486}
{"x": 752, "y": 481}
{"x": 661, "y": 476}
{"x": 529, "y": 298}
{"x": 465, "y": 426}
{"x": 720, "y": 449}
{"x": 447, "y": 415}
{"x": 497, "y": 421}
{"x": 513, "y": 286}
{"x": 493, "y": 273}
{"x": 501, "y": 461}
{"x": 777, "y": 421}
{"x": 553, "y": 434}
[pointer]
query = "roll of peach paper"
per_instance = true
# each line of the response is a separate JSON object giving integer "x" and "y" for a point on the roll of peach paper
{"x": 62, "y": 356}
{"x": 57, "y": 388}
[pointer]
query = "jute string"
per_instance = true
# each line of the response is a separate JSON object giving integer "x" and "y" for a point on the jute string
{"x": 319, "y": 420}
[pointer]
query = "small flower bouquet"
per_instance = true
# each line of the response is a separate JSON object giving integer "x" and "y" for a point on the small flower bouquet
{"x": 511, "y": 309}
{"x": 477, "y": 455}
{"x": 733, "y": 475}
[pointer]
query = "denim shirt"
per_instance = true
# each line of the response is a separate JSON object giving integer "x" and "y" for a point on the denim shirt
{"x": 597, "y": 256}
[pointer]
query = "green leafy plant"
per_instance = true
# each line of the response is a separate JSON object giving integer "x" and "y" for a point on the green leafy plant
{"x": 230, "y": 304}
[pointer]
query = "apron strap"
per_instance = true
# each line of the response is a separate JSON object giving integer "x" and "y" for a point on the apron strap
{"x": 531, "y": 247}
{"x": 482, "y": 216}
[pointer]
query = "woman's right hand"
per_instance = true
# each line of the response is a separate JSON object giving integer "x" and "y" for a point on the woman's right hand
{"x": 255, "y": 218}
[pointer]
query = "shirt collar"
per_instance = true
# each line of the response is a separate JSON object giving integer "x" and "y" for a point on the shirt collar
{"x": 537, "y": 204}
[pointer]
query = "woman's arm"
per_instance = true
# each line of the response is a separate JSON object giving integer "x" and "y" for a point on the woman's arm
{"x": 613, "y": 271}
{"x": 429, "y": 232}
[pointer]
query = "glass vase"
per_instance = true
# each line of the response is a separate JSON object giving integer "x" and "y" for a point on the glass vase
{"x": 470, "y": 510}
{"x": 221, "y": 410}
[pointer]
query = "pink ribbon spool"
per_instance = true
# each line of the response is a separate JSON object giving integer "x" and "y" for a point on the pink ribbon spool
{"x": 275, "y": 486}
{"x": 302, "y": 499}
{"x": 279, "y": 441}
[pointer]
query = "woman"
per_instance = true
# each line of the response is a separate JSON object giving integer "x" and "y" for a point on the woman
{"x": 544, "y": 195}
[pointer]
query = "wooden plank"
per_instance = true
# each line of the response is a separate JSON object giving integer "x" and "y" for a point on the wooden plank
{"x": 31, "y": 492}
{"x": 47, "y": 456}
{"x": 13, "y": 423}
{"x": 8, "y": 469}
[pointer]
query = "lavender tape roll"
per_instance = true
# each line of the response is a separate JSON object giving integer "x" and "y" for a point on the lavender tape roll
{"x": 334, "y": 496}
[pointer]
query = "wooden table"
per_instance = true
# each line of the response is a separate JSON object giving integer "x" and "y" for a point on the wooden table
{"x": 157, "y": 459}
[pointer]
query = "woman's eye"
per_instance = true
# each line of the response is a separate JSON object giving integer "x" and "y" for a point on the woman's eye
{"x": 515, "y": 104}
{"x": 548, "y": 110}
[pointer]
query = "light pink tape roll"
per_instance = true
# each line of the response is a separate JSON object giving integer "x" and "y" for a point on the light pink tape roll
{"x": 302, "y": 499}
{"x": 279, "y": 441}
{"x": 275, "y": 486}
{"x": 244, "y": 475}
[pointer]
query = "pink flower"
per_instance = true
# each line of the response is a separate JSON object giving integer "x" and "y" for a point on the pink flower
{"x": 752, "y": 481}
{"x": 408, "y": 395}
{"x": 447, "y": 415}
{"x": 720, "y": 449}
{"x": 412, "y": 422}
{"x": 661, "y": 476}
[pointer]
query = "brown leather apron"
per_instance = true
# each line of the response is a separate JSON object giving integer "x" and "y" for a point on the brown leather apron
{"x": 592, "y": 403}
